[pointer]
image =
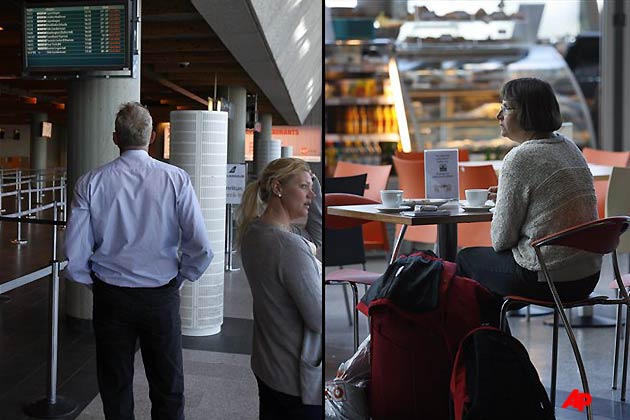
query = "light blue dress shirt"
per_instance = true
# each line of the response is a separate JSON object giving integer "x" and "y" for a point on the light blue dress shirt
{"x": 126, "y": 221}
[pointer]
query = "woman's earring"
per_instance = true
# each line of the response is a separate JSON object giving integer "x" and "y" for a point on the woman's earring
{"x": 279, "y": 195}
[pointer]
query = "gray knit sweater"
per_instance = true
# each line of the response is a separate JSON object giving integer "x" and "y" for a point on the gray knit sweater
{"x": 286, "y": 288}
{"x": 545, "y": 186}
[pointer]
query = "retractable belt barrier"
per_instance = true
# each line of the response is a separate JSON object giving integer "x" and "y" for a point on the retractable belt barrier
{"x": 52, "y": 406}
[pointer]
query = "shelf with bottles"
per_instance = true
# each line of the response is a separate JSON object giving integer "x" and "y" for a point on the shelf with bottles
{"x": 384, "y": 137}
{"x": 364, "y": 152}
{"x": 361, "y": 120}
{"x": 352, "y": 100}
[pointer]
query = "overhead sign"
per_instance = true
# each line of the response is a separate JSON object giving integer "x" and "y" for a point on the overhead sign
{"x": 235, "y": 182}
{"x": 85, "y": 35}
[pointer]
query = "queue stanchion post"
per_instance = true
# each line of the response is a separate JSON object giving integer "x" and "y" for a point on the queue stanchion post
{"x": 18, "y": 240}
{"x": 39, "y": 196}
{"x": 229, "y": 240}
{"x": 30, "y": 188}
{"x": 2, "y": 210}
{"x": 64, "y": 194}
{"x": 52, "y": 406}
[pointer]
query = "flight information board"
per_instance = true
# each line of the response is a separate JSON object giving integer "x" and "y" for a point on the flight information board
{"x": 78, "y": 37}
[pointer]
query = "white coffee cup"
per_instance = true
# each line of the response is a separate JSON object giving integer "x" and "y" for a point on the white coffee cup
{"x": 476, "y": 197}
{"x": 391, "y": 198}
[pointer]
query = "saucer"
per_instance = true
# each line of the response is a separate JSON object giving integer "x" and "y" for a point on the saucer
{"x": 384, "y": 209}
{"x": 484, "y": 208}
{"x": 424, "y": 201}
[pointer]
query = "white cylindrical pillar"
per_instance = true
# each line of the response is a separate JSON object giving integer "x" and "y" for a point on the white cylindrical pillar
{"x": 199, "y": 146}
{"x": 286, "y": 151}
{"x": 265, "y": 152}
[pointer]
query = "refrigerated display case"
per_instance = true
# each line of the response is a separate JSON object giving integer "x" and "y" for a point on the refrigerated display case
{"x": 452, "y": 91}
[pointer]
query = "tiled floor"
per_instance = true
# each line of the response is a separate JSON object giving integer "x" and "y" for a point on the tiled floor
{"x": 219, "y": 382}
{"x": 596, "y": 346}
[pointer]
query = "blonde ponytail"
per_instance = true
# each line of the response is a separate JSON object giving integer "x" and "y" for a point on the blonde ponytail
{"x": 249, "y": 209}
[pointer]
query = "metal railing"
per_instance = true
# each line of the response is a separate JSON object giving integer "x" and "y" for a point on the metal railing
{"x": 52, "y": 406}
{"x": 32, "y": 185}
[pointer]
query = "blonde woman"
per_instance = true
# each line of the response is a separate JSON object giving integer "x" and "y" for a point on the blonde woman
{"x": 282, "y": 270}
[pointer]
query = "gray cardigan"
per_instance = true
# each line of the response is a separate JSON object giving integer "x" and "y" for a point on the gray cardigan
{"x": 545, "y": 186}
{"x": 287, "y": 292}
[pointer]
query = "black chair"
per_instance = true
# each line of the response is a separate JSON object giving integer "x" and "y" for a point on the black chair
{"x": 345, "y": 246}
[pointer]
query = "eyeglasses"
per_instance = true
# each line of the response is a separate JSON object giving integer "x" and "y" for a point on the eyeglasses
{"x": 506, "y": 109}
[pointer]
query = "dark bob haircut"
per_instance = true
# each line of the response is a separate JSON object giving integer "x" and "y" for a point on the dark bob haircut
{"x": 536, "y": 105}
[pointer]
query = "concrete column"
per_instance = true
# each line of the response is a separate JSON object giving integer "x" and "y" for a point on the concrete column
{"x": 265, "y": 127}
{"x": 266, "y": 149}
{"x": 92, "y": 108}
{"x": 38, "y": 143}
{"x": 199, "y": 146}
{"x": 237, "y": 118}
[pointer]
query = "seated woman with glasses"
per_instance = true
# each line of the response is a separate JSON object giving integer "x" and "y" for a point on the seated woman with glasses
{"x": 545, "y": 186}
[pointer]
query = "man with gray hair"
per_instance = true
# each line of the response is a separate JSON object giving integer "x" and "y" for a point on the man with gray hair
{"x": 135, "y": 233}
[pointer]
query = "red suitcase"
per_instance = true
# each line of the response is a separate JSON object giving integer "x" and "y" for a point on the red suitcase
{"x": 412, "y": 353}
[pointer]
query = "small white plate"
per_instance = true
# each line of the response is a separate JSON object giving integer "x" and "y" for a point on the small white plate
{"x": 424, "y": 201}
{"x": 484, "y": 208}
{"x": 384, "y": 209}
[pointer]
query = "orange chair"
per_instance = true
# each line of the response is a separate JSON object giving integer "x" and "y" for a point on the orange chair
{"x": 348, "y": 276}
{"x": 463, "y": 155}
{"x": 604, "y": 157}
{"x": 411, "y": 181}
{"x": 409, "y": 155}
{"x": 475, "y": 234}
{"x": 374, "y": 233}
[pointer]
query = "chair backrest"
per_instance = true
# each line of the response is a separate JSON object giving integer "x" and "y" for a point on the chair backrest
{"x": 344, "y": 246}
{"x": 470, "y": 177}
{"x": 605, "y": 157}
{"x": 341, "y": 199}
{"x": 463, "y": 156}
{"x": 598, "y": 236}
{"x": 618, "y": 201}
{"x": 410, "y": 177}
{"x": 346, "y": 184}
{"x": 409, "y": 155}
{"x": 377, "y": 176}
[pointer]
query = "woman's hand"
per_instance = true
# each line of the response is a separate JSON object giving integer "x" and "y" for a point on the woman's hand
{"x": 492, "y": 193}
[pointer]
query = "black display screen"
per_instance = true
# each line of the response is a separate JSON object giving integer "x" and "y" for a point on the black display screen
{"x": 77, "y": 36}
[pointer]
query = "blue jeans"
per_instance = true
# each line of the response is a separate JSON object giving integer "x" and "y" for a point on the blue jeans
{"x": 499, "y": 273}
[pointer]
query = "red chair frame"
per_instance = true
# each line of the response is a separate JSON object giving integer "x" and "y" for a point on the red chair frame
{"x": 600, "y": 237}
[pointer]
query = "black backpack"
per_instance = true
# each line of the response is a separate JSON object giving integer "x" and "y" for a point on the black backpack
{"x": 493, "y": 378}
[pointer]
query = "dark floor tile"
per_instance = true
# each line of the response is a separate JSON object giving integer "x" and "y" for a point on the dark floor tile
{"x": 235, "y": 337}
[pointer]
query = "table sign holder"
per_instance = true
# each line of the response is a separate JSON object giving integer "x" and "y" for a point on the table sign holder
{"x": 441, "y": 178}
{"x": 441, "y": 173}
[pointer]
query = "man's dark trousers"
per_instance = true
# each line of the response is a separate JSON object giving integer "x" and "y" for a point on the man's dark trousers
{"x": 123, "y": 315}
